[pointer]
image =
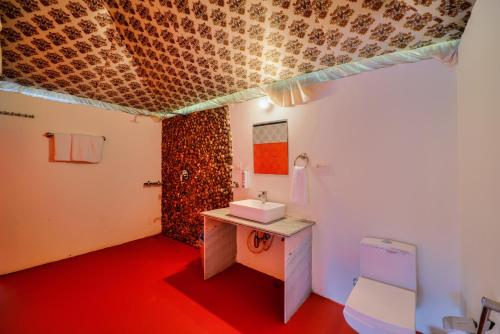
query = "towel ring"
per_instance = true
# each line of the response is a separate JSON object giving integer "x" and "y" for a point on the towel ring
{"x": 302, "y": 156}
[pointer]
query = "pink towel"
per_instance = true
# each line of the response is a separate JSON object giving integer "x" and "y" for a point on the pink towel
{"x": 86, "y": 148}
{"x": 62, "y": 147}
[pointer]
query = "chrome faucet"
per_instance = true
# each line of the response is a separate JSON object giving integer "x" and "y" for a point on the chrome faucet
{"x": 262, "y": 196}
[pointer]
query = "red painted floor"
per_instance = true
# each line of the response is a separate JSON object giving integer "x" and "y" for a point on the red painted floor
{"x": 153, "y": 285}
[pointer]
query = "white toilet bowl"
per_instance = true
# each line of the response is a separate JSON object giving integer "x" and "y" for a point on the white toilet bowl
{"x": 383, "y": 300}
{"x": 377, "y": 308}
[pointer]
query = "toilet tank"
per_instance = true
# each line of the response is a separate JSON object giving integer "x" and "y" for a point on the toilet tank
{"x": 390, "y": 262}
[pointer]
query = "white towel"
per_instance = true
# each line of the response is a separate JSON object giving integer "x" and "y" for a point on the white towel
{"x": 62, "y": 147}
{"x": 86, "y": 148}
{"x": 299, "y": 193}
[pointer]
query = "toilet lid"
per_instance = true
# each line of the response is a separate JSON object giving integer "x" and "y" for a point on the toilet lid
{"x": 383, "y": 306}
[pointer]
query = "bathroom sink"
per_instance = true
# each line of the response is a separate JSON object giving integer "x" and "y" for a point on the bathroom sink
{"x": 255, "y": 210}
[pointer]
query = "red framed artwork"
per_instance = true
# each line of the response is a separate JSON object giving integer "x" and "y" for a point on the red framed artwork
{"x": 270, "y": 148}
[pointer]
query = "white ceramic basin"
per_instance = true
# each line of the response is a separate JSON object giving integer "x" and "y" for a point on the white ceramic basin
{"x": 255, "y": 210}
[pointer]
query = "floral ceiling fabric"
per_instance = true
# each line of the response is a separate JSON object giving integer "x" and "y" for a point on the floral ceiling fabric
{"x": 165, "y": 55}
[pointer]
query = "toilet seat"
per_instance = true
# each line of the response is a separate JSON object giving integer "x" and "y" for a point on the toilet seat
{"x": 374, "y": 307}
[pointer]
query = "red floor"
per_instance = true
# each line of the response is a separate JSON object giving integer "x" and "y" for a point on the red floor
{"x": 153, "y": 285}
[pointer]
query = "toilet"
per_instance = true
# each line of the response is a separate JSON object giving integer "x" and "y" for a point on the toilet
{"x": 383, "y": 300}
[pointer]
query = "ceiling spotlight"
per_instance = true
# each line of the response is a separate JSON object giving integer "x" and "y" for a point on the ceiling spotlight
{"x": 265, "y": 103}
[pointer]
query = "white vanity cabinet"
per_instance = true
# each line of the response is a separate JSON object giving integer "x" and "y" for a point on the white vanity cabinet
{"x": 220, "y": 249}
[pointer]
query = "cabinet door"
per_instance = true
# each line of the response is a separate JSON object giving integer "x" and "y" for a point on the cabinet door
{"x": 298, "y": 268}
{"x": 219, "y": 246}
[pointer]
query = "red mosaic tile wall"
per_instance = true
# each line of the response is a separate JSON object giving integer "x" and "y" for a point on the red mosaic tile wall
{"x": 201, "y": 144}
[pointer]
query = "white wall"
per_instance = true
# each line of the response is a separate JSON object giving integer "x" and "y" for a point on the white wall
{"x": 53, "y": 210}
{"x": 388, "y": 139}
{"x": 478, "y": 86}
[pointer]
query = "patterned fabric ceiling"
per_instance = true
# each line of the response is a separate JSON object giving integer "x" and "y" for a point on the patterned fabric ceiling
{"x": 163, "y": 55}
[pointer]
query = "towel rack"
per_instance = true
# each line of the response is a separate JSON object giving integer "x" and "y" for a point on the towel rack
{"x": 302, "y": 156}
{"x": 50, "y": 134}
{"x": 17, "y": 114}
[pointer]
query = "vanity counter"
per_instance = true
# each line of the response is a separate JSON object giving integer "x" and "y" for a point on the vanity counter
{"x": 285, "y": 227}
{"x": 294, "y": 259}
